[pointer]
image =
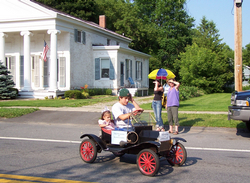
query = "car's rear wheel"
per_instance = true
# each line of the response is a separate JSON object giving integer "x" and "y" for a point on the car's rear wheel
{"x": 88, "y": 151}
{"x": 148, "y": 162}
{"x": 177, "y": 155}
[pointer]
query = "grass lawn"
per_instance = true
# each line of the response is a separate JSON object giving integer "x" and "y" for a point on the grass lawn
{"x": 206, "y": 120}
{"x": 211, "y": 102}
{"x": 15, "y": 112}
{"x": 58, "y": 102}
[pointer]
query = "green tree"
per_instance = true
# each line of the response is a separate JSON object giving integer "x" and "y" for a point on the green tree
{"x": 161, "y": 28}
{"x": 85, "y": 10}
{"x": 6, "y": 84}
{"x": 246, "y": 55}
{"x": 207, "y": 64}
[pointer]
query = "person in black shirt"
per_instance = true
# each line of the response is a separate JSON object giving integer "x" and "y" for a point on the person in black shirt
{"x": 157, "y": 105}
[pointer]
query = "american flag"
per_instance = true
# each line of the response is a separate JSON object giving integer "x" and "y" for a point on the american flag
{"x": 45, "y": 50}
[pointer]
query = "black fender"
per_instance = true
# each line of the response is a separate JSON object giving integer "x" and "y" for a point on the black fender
{"x": 96, "y": 139}
{"x": 179, "y": 139}
{"x": 138, "y": 147}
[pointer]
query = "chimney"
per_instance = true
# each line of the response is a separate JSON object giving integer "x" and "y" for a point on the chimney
{"x": 102, "y": 21}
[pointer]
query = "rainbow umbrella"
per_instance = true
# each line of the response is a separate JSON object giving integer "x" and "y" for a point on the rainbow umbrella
{"x": 161, "y": 74}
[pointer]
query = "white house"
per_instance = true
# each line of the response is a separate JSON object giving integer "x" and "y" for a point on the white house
{"x": 80, "y": 52}
{"x": 246, "y": 71}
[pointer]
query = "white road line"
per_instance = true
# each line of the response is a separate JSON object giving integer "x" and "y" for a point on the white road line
{"x": 41, "y": 140}
{"x": 217, "y": 149}
{"x": 78, "y": 142}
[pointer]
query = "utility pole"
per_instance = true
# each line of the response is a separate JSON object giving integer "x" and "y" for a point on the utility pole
{"x": 238, "y": 44}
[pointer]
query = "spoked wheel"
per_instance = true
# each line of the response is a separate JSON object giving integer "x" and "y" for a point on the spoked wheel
{"x": 148, "y": 162}
{"x": 177, "y": 155}
{"x": 88, "y": 151}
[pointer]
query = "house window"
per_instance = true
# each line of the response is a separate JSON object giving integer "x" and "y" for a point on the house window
{"x": 128, "y": 68}
{"x": 80, "y": 36}
{"x": 10, "y": 63}
{"x": 62, "y": 71}
{"x": 104, "y": 68}
{"x": 117, "y": 43}
{"x": 105, "y": 65}
{"x": 138, "y": 70}
{"x": 108, "y": 42}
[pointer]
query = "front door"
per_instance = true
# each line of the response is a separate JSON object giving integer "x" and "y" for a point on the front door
{"x": 122, "y": 74}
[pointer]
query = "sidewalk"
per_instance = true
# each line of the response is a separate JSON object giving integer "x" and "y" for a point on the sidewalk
{"x": 100, "y": 106}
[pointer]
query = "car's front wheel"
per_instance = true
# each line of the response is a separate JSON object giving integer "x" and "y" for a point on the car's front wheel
{"x": 148, "y": 162}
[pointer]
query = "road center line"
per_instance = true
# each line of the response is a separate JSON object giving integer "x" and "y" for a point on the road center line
{"x": 78, "y": 142}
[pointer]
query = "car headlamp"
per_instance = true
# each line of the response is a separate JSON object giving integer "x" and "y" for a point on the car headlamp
{"x": 173, "y": 141}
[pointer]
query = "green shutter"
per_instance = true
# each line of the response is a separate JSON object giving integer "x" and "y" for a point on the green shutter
{"x": 21, "y": 70}
{"x": 136, "y": 77}
{"x": 131, "y": 68}
{"x": 111, "y": 70}
{"x": 76, "y": 35}
{"x": 83, "y": 37}
{"x": 97, "y": 69}
{"x": 141, "y": 70}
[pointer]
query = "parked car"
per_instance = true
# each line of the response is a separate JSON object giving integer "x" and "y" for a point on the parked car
{"x": 240, "y": 107}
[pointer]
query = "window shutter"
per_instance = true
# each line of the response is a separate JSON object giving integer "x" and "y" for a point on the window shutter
{"x": 136, "y": 76}
{"x": 111, "y": 70}
{"x": 141, "y": 70}
{"x": 76, "y": 32}
{"x": 97, "y": 69}
{"x": 21, "y": 70}
{"x": 130, "y": 73}
{"x": 83, "y": 37}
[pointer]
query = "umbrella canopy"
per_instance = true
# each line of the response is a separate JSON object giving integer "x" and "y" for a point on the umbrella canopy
{"x": 161, "y": 74}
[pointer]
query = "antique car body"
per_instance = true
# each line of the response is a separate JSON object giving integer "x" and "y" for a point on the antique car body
{"x": 149, "y": 146}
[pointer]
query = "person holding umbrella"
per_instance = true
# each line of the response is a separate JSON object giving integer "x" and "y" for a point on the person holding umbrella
{"x": 173, "y": 105}
{"x": 157, "y": 104}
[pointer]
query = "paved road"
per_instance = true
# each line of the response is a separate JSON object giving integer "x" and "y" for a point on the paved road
{"x": 35, "y": 145}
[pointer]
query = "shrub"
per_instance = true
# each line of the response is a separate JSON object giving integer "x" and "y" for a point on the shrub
{"x": 186, "y": 92}
{"x": 91, "y": 92}
{"x": 6, "y": 84}
{"x": 108, "y": 92}
{"x": 76, "y": 94}
{"x": 85, "y": 95}
{"x": 246, "y": 87}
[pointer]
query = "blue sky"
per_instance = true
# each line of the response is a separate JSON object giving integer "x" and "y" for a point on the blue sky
{"x": 221, "y": 12}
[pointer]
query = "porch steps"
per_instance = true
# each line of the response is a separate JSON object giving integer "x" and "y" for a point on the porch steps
{"x": 41, "y": 94}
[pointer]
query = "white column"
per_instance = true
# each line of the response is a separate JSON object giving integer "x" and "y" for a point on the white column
{"x": 2, "y": 47}
{"x": 53, "y": 59}
{"x": 27, "y": 63}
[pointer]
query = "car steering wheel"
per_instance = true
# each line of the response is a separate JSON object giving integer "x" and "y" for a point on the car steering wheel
{"x": 137, "y": 112}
